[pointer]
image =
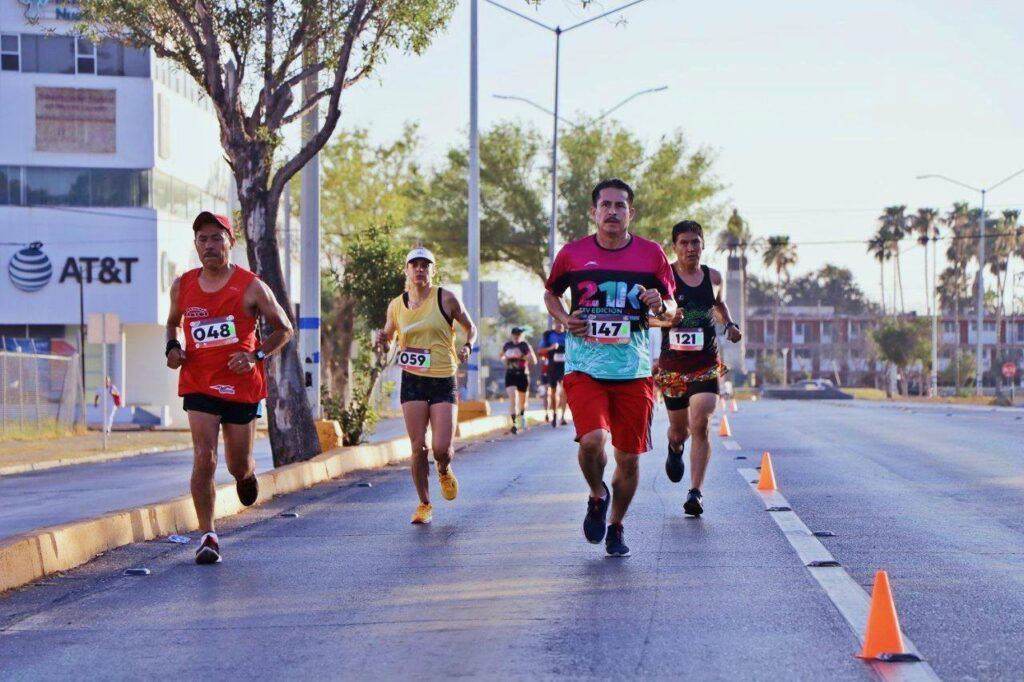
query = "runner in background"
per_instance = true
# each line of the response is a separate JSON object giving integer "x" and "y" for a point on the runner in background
{"x": 552, "y": 346}
{"x": 517, "y": 355}
{"x": 112, "y": 402}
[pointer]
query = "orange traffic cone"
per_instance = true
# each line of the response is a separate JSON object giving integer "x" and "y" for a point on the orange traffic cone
{"x": 723, "y": 428}
{"x": 767, "y": 479}
{"x": 882, "y": 635}
{"x": 733, "y": 407}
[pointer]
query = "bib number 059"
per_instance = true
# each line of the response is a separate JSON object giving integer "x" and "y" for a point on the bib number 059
{"x": 414, "y": 358}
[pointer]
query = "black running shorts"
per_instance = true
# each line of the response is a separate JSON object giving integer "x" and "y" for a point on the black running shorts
{"x": 693, "y": 388}
{"x": 555, "y": 374}
{"x": 431, "y": 390}
{"x": 518, "y": 379}
{"x": 228, "y": 411}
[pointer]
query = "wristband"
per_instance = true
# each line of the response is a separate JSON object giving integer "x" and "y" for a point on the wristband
{"x": 171, "y": 345}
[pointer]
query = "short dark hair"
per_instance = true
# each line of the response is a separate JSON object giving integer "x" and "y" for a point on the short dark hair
{"x": 687, "y": 226}
{"x": 613, "y": 183}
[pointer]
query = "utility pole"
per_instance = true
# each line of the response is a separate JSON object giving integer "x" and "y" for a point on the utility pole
{"x": 473, "y": 229}
{"x": 309, "y": 305}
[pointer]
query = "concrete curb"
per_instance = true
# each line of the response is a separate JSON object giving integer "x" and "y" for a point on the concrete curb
{"x": 91, "y": 459}
{"x": 28, "y": 557}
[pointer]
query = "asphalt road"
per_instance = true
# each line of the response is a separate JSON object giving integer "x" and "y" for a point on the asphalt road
{"x": 503, "y": 586}
{"x": 45, "y": 498}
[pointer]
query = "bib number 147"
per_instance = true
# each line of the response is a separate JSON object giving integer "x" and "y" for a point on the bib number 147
{"x": 608, "y": 330}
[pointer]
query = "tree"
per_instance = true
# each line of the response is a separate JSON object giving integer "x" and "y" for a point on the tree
{"x": 958, "y": 254}
{"x": 373, "y": 275}
{"x": 737, "y": 238}
{"x": 672, "y": 181}
{"x": 925, "y": 224}
{"x": 513, "y": 224}
{"x": 894, "y": 222}
{"x": 878, "y": 246}
{"x": 779, "y": 255}
{"x": 249, "y": 57}
{"x": 903, "y": 342}
{"x": 362, "y": 185}
{"x": 831, "y": 285}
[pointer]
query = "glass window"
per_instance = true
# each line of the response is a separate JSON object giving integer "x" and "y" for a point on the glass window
{"x": 179, "y": 199}
{"x": 194, "y": 199}
{"x": 10, "y": 52}
{"x": 136, "y": 62}
{"x": 110, "y": 58}
{"x": 86, "y": 56}
{"x": 114, "y": 187}
{"x": 949, "y": 327}
{"x": 989, "y": 326}
{"x": 57, "y": 186}
{"x": 47, "y": 54}
{"x": 162, "y": 192}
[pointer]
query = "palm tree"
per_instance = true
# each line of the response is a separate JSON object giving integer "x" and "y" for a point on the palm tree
{"x": 894, "y": 218}
{"x": 958, "y": 255}
{"x": 737, "y": 238}
{"x": 1005, "y": 245}
{"x": 925, "y": 223}
{"x": 878, "y": 246}
{"x": 779, "y": 255}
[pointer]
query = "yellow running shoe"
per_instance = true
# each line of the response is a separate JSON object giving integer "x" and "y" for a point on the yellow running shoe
{"x": 423, "y": 514}
{"x": 449, "y": 484}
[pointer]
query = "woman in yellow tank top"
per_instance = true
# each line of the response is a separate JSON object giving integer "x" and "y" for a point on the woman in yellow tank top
{"x": 423, "y": 318}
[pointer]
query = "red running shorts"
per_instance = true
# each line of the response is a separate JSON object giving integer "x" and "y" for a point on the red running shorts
{"x": 623, "y": 408}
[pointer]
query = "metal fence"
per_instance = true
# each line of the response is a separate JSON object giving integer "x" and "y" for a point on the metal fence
{"x": 40, "y": 393}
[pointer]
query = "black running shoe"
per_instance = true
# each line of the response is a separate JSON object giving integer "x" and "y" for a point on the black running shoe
{"x": 674, "y": 466}
{"x": 209, "y": 550}
{"x": 614, "y": 543}
{"x": 554, "y": 423}
{"x": 564, "y": 422}
{"x": 597, "y": 512}
{"x": 248, "y": 490}
{"x": 693, "y": 505}
{"x": 515, "y": 430}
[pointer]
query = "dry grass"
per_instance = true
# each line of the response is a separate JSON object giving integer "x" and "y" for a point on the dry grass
{"x": 69, "y": 448}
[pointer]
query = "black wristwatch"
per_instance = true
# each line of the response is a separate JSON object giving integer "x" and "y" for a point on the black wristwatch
{"x": 732, "y": 324}
{"x": 259, "y": 355}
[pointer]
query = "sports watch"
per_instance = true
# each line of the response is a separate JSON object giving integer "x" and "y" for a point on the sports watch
{"x": 260, "y": 355}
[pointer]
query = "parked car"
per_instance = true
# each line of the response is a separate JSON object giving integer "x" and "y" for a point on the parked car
{"x": 814, "y": 384}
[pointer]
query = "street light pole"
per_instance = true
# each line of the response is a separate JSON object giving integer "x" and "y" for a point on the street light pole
{"x": 558, "y": 31}
{"x": 980, "y": 304}
{"x": 935, "y": 315}
{"x": 473, "y": 229}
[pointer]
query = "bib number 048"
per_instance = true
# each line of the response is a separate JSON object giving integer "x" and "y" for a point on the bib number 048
{"x": 213, "y": 332}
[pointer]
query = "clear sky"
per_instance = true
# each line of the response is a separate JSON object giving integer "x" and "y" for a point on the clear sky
{"x": 821, "y": 113}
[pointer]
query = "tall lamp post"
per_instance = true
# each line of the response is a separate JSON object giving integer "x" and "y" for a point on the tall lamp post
{"x": 558, "y": 31}
{"x": 979, "y": 357}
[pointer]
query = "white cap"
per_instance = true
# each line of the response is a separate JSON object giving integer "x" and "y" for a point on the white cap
{"x": 419, "y": 252}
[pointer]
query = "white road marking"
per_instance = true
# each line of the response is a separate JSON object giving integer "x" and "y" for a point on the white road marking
{"x": 849, "y": 598}
{"x": 731, "y": 445}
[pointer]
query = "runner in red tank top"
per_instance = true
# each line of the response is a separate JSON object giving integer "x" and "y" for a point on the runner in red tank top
{"x": 222, "y": 377}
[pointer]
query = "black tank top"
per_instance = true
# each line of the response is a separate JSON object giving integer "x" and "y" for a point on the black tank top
{"x": 696, "y": 303}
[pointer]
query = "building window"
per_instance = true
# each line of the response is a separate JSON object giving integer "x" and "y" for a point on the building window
{"x": 989, "y": 326}
{"x": 47, "y": 54}
{"x": 10, "y": 185}
{"x": 949, "y": 327}
{"x": 85, "y": 56}
{"x": 800, "y": 329}
{"x": 10, "y": 52}
{"x": 99, "y": 187}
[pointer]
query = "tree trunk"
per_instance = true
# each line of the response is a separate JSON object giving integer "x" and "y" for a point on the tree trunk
{"x": 293, "y": 436}
{"x": 881, "y": 280}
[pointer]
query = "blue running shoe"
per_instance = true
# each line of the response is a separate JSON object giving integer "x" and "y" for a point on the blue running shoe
{"x": 674, "y": 466}
{"x": 614, "y": 544}
{"x": 597, "y": 512}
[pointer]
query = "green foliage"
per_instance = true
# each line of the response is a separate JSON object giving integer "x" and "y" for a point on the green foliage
{"x": 830, "y": 286}
{"x": 948, "y": 376}
{"x": 769, "y": 369}
{"x": 903, "y": 342}
{"x": 374, "y": 273}
{"x": 671, "y": 183}
{"x": 358, "y": 417}
{"x": 511, "y": 314}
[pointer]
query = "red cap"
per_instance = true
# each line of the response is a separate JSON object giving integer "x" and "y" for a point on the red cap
{"x": 208, "y": 218}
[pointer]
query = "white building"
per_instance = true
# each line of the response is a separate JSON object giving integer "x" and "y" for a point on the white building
{"x": 106, "y": 154}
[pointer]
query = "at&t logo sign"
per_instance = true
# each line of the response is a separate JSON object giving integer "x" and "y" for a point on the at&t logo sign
{"x": 30, "y": 269}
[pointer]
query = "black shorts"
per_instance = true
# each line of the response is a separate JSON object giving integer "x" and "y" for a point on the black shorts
{"x": 229, "y": 412}
{"x": 683, "y": 401}
{"x": 555, "y": 374}
{"x": 517, "y": 379}
{"x": 431, "y": 390}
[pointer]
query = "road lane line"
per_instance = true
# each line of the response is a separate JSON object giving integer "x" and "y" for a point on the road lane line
{"x": 731, "y": 445}
{"x": 849, "y": 598}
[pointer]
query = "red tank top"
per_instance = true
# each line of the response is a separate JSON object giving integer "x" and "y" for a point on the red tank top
{"x": 217, "y": 326}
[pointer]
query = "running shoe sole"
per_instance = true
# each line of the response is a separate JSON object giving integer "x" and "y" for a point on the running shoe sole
{"x": 207, "y": 555}
{"x": 248, "y": 490}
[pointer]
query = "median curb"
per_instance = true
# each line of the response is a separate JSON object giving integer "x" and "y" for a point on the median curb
{"x": 91, "y": 459}
{"x": 30, "y": 556}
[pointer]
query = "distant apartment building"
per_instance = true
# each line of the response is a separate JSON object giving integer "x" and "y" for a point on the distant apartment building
{"x": 816, "y": 342}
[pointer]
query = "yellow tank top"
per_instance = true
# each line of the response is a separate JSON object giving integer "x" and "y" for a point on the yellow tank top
{"x": 426, "y": 328}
